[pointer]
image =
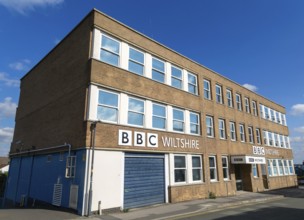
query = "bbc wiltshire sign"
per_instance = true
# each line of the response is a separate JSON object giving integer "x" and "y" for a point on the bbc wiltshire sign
{"x": 143, "y": 139}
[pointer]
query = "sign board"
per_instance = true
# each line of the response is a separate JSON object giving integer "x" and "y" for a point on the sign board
{"x": 247, "y": 160}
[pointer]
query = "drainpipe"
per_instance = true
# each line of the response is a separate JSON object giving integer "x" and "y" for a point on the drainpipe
{"x": 93, "y": 130}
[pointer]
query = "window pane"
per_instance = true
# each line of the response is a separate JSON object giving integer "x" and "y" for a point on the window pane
{"x": 191, "y": 79}
{"x": 135, "y": 118}
{"x": 193, "y": 118}
{"x": 177, "y": 114}
{"x": 159, "y": 110}
{"x": 109, "y": 44}
{"x": 107, "y": 98}
{"x": 136, "y": 55}
{"x": 109, "y": 57}
{"x": 192, "y": 89}
{"x": 211, "y": 162}
{"x": 160, "y": 77}
{"x": 176, "y": 83}
{"x": 196, "y": 174}
{"x": 136, "y": 105}
{"x": 108, "y": 114}
{"x": 178, "y": 126}
{"x": 159, "y": 123}
{"x": 159, "y": 65}
{"x": 194, "y": 129}
{"x": 176, "y": 72}
{"x": 136, "y": 68}
{"x": 196, "y": 162}
{"x": 179, "y": 175}
{"x": 179, "y": 162}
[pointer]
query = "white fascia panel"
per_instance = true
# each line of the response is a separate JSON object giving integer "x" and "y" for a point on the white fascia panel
{"x": 123, "y": 109}
{"x": 187, "y": 122}
{"x": 96, "y": 44}
{"x": 124, "y": 55}
{"x": 185, "y": 80}
{"x": 167, "y": 177}
{"x": 169, "y": 118}
{"x": 148, "y": 115}
{"x": 168, "y": 73}
{"x": 93, "y": 102}
{"x": 148, "y": 65}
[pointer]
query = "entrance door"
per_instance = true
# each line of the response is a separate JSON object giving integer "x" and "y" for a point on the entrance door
{"x": 144, "y": 180}
{"x": 264, "y": 176}
{"x": 238, "y": 177}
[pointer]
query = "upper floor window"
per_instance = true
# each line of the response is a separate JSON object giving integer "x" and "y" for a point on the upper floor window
{"x": 242, "y": 133}
{"x": 209, "y": 126}
{"x": 194, "y": 123}
{"x": 247, "y": 105}
{"x": 219, "y": 95}
{"x": 258, "y": 135}
{"x": 178, "y": 120}
{"x": 278, "y": 117}
{"x": 283, "y": 119}
{"x": 272, "y": 115}
{"x": 158, "y": 70}
{"x": 110, "y": 50}
{"x": 229, "y": 98}
{"x": 159, "y": 116}
{"x": 222, "y": 129}
{"x": 238, "y": 102}
{"x": 232, "y": 131}
{"x": 250, "y": 134}
{"x": 254, "y": 108}
{"x": 262, "y": 112}
{"x": 176, "y": 77}
{"x": 266, "y": 112}
{"x": 192, "y": 83}
{"x": 136, "y": 112}
{"x": 270, "y": 139}
{"x": 107, "y": 106}
{"x": 136, "y": 61}
{"x": 207, "y": 90}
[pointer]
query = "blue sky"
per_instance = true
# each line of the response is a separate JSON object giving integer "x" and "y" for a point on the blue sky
{"x": 260, "y": 43}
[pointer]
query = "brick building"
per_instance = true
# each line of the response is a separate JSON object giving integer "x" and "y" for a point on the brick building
{"x": 111, "y": 119}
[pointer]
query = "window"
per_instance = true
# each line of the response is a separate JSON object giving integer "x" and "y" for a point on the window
{"x": 266, "y": 112}
{"x": 282, "y": 141}
{"x": 280, "y": 163}
{"x": 265, "y": 137}
{"x": 109, "y": 50}
{"x": 136, "y": 61}
{"x": 196, "y": 168}
{"x": 275, "y": 168}
{"x": 255, "y": 171}
{"x": 107, "y": 109}
{"x": 247, "y": 106}
{"x": 272, "y": 115}
{"x": 270, "y": 139}
{"x": 158, "y": 70}
{"x": 222, "y": 129}
{"x": 287, "y": 142}
{"x": 232, "y": 131}
{"x": 238, "y": 102}
{"x": 229, "y": 98}
{"x": 258, "y": 135}
{"x": 209, "y": 126}
{"x": 180, "y": 169}
{"x": 159, "y": 116}
{"x": 218, "y": 92}
{"x": 242, "y": 133}
{"x": 136, "y": 112}
{"x": 178, "y": 120}
{"x": 276, "y": 140}
{"x": 291, "y": 170}
{"x": 250, "y": 134}
{"x": 269, "y": 164}
{"x": 254, "y": 108}
{"x": 283, "y": 119}
{"x": 278, "y": 116}
{"x": 194, "y": 123}
{"x": 225, "y": 168}
{"x": 176, "y": 77}
{"x": 212, "y": 167}
{"x": 285, "y": 162}
{"x": 192, "y": 83}
{"x": 207, "y": 90}
{"x": 70, "y": 167}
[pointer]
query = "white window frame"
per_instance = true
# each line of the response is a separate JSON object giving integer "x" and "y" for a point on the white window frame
{"x": 118, "y": 54}
{"x": 70, "y": 170}
{"x": 207, "y": 90}
{"x": 200, "y": 168}
{"x": 159, "y": 71}
{"x": 158, "y": 116}
{"x": 222, "y": 129}
{"x": 180, "y": 168}
{"x": 254, "y": 108}
{"x": 137, "y": 112}
{"x": 225, "y": 168}
{"x": 108, "y": 106}
{"x": 258, "y": 136}
{"x": 238, "y": 99}
{"x": 213, "y": 168}
{"x": 247, "y": 105}
{"x": 178, "y": 120}
{"x": 196, "y": 124}
{"x": 232, "y": 132}
{"x": 250, "y": 135}
{"x": 211, "y": 126}
{"x": 135, "y": 61}
{"x": 255, "y": 168}
{"x": 242, "y": 133}
{"x": 176, "y": 78}
{"x": 189, "y": 83}
{"x": 229, "y": 98}
{"x": 219, "y": 94}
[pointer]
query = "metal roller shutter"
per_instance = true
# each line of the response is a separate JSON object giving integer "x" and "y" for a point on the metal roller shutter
{"x": 144, "y": 180}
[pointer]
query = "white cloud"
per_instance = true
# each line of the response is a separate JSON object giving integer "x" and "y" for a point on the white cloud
{"x": 297, "y": 139}
{"x": 7, "y": 81}
{"x": 20, "y": 65}
{"x": 7, "y": 108}
{"x": 22, "y": 6}
{"x": 297, "y": 109}
{"x": 300, "y": 130}
{"x": 250, "y": 87}
{"x": 6, "y": 136}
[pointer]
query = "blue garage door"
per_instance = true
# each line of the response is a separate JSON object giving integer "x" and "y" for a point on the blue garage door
{"x": 144, "y": 180}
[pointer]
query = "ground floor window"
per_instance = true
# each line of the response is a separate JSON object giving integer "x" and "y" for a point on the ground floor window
{"x": 255, "y": 171}
{"x": 280, "y": 167}
{"x": 187, "y": 168}
{"x": 213, "y": 169}
{"x": 225, "y": 167}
